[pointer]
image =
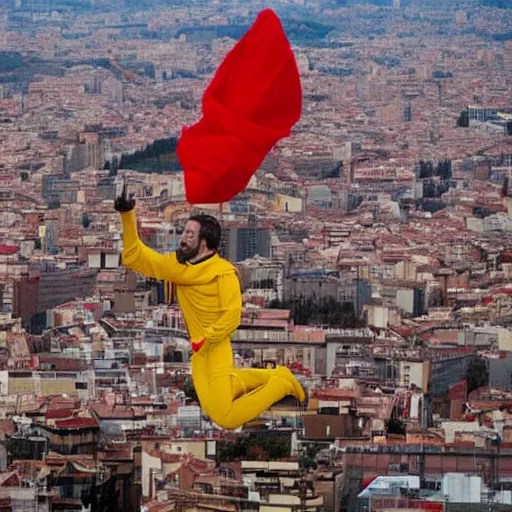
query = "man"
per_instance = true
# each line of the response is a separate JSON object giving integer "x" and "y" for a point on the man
{"x": 208, "y": 291}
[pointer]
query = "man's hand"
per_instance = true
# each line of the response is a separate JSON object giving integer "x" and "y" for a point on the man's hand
{"x": 124, "y": 204}
{"x": 197, "y": 346}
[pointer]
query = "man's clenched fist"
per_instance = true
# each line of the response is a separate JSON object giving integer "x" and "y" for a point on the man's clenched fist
{"x": 123, "y": 203}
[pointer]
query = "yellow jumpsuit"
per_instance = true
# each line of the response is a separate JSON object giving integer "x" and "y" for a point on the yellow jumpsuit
{"x": 209, "y": 295}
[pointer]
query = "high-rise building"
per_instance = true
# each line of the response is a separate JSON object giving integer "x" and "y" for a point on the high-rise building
{"x": 60, "y": 187}
{"x": 117, "y": 92}
{"x": 241, "y": 243}
{"x": 408, "y": 111}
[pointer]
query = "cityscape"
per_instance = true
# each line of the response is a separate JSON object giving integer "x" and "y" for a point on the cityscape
{"x": 373, "y": 246}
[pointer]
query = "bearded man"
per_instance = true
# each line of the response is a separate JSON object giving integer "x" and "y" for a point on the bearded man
{"x": 208, "y": 292}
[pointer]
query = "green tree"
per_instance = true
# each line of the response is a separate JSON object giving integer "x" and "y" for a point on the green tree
{"x": 253, "y": 447}
{"x": 307, "y": 458}
{"x": 306, "y": 463}
{"x": 395, "y": 426}
{"x": 320, "y": 311}
{"x": 190, "y": 390}
{"x": 477, "y": 374}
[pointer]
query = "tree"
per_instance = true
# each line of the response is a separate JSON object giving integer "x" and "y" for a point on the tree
{"x": 190, "y": 390}
{"x": 253, "y": 447}
{"x": 319, "y": 311}
{"x": 86, "y": 221}
{"x": 463, "y": 120}
{"x": 256, "y": 452}
{"x": 306, "y": 463}
{"x": 307, "y": 458}
{"x": 477, "y": 374}
{"x": 395, "y": 426}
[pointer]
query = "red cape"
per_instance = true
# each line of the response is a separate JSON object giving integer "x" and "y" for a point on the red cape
{"x": 253, "y": 101}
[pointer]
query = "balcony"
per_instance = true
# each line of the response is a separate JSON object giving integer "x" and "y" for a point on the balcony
{"x": 284, "y": 337}
{"x": 353, "y": 351}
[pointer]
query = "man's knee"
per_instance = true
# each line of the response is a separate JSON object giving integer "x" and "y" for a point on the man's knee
{"x": 221, "y": 415}
{"x": 222, "y": 388}
{"x": 225, "y": 421}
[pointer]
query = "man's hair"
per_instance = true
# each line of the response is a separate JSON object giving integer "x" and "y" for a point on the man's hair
{"x": 210, "y": 230}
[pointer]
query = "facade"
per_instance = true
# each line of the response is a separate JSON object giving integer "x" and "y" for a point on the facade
{"x": 59, "y": 286}
{"x": 241, "y": 243}
{"x": 60, "y": 188}
{"x": 447, "y": 372}
{"x": 72, "y": 437}
{"x": 262, "y": 278}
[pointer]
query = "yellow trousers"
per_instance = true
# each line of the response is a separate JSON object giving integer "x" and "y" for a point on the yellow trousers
{"x": 233, "y": 396}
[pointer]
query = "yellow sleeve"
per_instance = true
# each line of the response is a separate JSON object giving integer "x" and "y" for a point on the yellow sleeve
{"x": 230, "y": 301}
{"x": 144, "y": 260}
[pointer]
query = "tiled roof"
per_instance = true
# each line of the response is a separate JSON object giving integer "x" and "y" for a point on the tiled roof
{"x": 76, "y": 423}
{"x": 7, "y": 250}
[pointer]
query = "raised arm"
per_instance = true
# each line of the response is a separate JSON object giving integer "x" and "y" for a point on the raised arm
{"x": 138, "y": 256}
{"x": 230, "y": 302}
{"x": 143, "y": 259}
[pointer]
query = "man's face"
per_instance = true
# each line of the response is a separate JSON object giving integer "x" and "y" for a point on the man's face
{"x": 189, "y": 243}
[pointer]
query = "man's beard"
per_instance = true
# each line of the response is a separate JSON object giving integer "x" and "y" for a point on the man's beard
{"x": 184, "y": 253}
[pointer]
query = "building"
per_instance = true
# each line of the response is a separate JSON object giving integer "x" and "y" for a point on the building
{"x": 241, "y": 243}
{"x": 71, "y": 436}
{"x": 262, "y": 278}
{"x": 60, "y": 188}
